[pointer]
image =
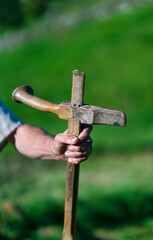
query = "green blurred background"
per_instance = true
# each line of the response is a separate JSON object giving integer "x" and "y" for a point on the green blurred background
{"x": 41, "y": 43}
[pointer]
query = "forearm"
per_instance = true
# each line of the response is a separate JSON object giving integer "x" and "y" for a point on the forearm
{"x": 33, "y": 142}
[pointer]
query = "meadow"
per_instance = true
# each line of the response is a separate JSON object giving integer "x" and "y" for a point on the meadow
{"x": 116, "y": 194}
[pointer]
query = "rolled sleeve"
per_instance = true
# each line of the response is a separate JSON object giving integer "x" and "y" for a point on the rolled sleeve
{"x": 8, "y": 123}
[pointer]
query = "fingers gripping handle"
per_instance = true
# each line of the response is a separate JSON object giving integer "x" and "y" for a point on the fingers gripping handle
{"x": 25, "y": 93}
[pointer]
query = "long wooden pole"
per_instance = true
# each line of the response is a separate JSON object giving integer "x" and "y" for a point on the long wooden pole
{"x": 72, "y": 182}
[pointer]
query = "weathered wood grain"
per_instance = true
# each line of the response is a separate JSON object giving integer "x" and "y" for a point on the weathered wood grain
{"x": 72, "y": 182}
{"x": 76, "y": 113}
{"x": 87, "y": 114}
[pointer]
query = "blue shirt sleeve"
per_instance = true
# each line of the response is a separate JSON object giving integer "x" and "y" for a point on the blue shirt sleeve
{"x": 8, "y": 122}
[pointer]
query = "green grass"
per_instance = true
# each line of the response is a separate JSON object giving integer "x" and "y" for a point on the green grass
{"x": 115, "y": 198}
{"x": 115, "y": 195}
{"x": 137, "y": 232}
{"x": 115, "y": 54}
{"x": 71, "y": 6}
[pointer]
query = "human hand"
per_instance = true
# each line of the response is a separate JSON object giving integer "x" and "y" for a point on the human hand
{"x": 79, "y": 148}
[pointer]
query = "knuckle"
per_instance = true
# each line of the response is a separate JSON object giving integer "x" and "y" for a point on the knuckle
{"x": 76, "y": 154}
{"x": 58, "y": 137}
{"x": 77, "y": 161}
{"x": 79, "y": 149}
{"x": 83, "y": 158}
{"x": 85, "y": 153}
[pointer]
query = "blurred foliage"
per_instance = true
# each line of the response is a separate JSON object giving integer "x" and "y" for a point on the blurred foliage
{"x": 15, "y": 13}
{"x": 116, "y": 56}
{"x": 20, "y": 13}
{"x": 34, "y": 8}
{"x": 115, "y": 195}
{"x": 10, "y": 13}
{"x": 112, "y": 201}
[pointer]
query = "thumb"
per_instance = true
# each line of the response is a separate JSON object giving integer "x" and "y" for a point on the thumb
{"x": 66, "y": 138}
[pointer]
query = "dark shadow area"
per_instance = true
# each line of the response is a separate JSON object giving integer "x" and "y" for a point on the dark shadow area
{"x": 116, "y": 209}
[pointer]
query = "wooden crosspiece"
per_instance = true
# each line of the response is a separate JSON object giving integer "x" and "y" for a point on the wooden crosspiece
{"x": 77, "y": 114}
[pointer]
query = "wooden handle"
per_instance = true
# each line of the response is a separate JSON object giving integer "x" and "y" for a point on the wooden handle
{"x": 25, "y": 93}
{"x": 74, "y": 128}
